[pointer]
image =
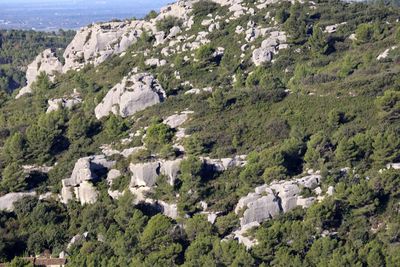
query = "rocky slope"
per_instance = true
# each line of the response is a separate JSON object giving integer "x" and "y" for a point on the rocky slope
{"x": 214, "y": 113}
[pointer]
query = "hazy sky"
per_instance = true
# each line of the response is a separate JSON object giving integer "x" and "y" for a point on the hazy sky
{"x": 125, "y": 2}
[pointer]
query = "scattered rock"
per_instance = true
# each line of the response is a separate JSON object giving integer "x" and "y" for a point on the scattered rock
{"x": 333, "y": 28}
{"x": 269, "y": 47}
{"x": 385, "y": 53}
{"x": 68, "y": 103}
{"x": 176, "y": 120}
{"x": 155, "y": 62}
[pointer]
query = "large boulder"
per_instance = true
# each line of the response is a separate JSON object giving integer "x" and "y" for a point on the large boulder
{"x": 269, "y": 47}
{"x": 79, "y": 185}
{"x": 7, "y": 201}
{"x": 86, "y": 193}
{"x": 134, "y": 93}
{"x": 146, "y": 174}
{"x": 268, "y": 201}
{"x": 97, "y": 42}
{"x": 46, "y": 62}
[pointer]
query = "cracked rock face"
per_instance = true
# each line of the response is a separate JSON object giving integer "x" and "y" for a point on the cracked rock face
{"x": 134, "y": 93}
{"x": 269, "y": 201}
{"x": 95, "y": 43}
{"x": 46, "y": 62}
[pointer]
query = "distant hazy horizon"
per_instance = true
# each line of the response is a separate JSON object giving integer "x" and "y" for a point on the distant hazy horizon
{"x": 51, "y": 15}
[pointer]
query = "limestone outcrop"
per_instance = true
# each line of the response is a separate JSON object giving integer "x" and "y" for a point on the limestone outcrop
{"x": 268, "y": 201}
{"x": 97, "y": 42}
{"x": 79, "y": 185}
{"x": 134, "y": 93}
{"x": 7, "y": 201}
{"x": 46, "y": 62}
{"x": 224, "y": 164}
{"x": 176, "y": 120}
{"x": 146, "y": 174}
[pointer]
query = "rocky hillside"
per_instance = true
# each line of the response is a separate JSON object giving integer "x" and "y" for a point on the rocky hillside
{"x": 222, "y": 133}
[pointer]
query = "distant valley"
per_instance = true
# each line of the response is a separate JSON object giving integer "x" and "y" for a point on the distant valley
{"x": 49, "y": 15}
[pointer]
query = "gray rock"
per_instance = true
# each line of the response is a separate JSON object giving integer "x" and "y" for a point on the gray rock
{"x": 7, "y": 201}
{"x": 176, "y": 120}
{"x": 86, "y": 193}
{"x": 169, "y": 210}
{"x": 224, "y": 164}
{"x": 112, "y": 175}
{"x": 144, "y": 174}
{"x": 155, "y": 62}
{"x": 79, "y": 185}
{"x": 134, "y": 93}
{"x": 270, "y": 200}
{"x": 68, "y": 103}
{"x": 95, "y": 43}
{"x": 171, "y": 169}
{"x": 269, "y": 47}
{"x": 45, "y": 62}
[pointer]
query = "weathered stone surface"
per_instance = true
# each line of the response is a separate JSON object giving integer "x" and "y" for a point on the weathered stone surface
{"x": 112, "y": 175}
{"x": 7, "y": 201}
{"x": 171, "y": 169}
{"x": 270, "y": 200}
{"x": 196, "y": 91}
{"x": 269, "y": 47}
{"x": 46, "y": 62}
{"x": 225, "y": 163}
{"x": 97, "y": 42}
{"x": 155, "y": 62}
{"x": 176, "y": 120}
{"x": 79, "y": 184}
{"x": 333, "y": 28}
{"x": 77, "y": 238}
{"x": 134, "y": 93}
{"x": 67, "y": 102}
{"x": 169, "y": 210}
{"x": 86, "y": 193}
{"x": 395, "y": 166}
{"x": 144, "y": 174}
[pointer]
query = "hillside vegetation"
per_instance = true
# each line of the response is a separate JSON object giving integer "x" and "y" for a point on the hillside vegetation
{"x": 327, "y": 104}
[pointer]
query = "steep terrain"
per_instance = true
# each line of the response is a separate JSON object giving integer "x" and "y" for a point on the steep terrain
{"x": 222, "y": 133}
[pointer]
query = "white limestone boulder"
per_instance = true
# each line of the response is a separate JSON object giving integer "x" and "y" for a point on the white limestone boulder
{"x": 134, "y": 93}
{"x": 97, "y": 42}
{"x": 268, "y": 201}
{"x": 46, "y": 62}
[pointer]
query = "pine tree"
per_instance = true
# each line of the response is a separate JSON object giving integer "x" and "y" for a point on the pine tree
{"x": 386, "y": 148}
{"x": 14, "y": 148}
{"x": 318, "y": 42}
{"x": 13, "y": 178}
